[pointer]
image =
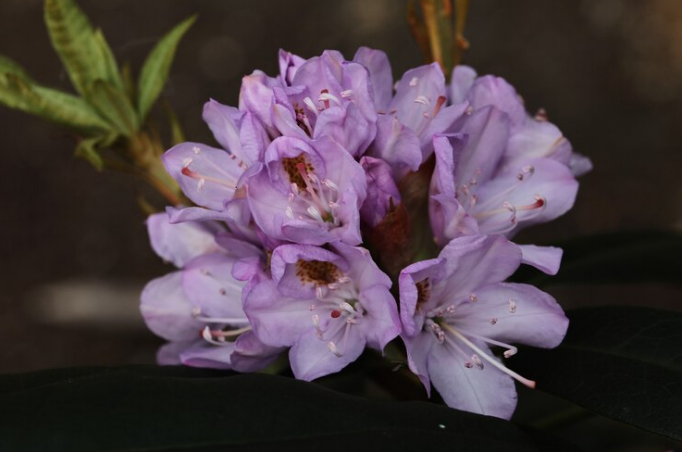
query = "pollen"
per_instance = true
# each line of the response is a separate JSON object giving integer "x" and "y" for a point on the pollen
{"x": 423, "y": 291}
{"x": 319, "y": 273}
{"x": 290, "y": 166}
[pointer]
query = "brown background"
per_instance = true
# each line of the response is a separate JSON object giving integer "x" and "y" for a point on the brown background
{"x": 73, "y": 249}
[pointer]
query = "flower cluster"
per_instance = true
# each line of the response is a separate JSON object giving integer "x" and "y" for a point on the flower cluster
{"x": 308, "y": 217}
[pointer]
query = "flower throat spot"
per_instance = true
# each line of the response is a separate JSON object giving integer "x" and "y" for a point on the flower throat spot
{"x": 319, "y": 273}
{"x": 291, "y": 165}
{"x": 423, "y": 292}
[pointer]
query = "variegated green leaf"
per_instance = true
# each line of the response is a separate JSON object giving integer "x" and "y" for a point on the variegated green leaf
{"x": 19, "y": 93}
{"x": 75, "y": 41}
{"x": 157, "y": 66}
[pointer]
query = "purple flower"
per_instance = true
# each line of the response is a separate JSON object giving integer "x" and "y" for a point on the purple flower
{"x": 199, "y": 309}
{"x": 323, "y": 96}
{"x": 455, "y": 306}
{"x": 308, "y": 192}
{"x": 530, "y": 137}
{"x": 326, "y": 305}
{"x": 209, "y": 176}
{"x": 473, "y": 191}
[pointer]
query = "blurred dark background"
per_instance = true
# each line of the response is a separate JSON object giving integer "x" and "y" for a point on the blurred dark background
{"x": 74, "y": 251}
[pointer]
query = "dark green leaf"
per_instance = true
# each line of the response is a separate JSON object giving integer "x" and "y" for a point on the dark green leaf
{"x": 157, "y": 66}
{"x": 19, "y": 93}
{"x": 115, "y": 106}
{"x": 621, "y": 362}
{"x": 617, "y": 257}
{"x": 174, "y": 409}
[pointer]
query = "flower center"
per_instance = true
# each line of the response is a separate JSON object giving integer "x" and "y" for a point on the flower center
{"x": 319, "y": 273}
{"x": 310, "y": 199}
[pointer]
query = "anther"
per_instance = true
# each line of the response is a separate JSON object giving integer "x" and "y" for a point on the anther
{"x": 493, "y": 321}
{"x": 512, "y": 306}
{"x": 414, "y": 81}
{"x": 473, "y": 298}
{"x": 335, "y": 314}
{"x": 477, "y": 361}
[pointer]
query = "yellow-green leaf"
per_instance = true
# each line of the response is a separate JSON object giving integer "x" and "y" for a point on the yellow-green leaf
{"x": 157, "y": 66}
{"x": 115, "y": 106}
{"x": 19, "y": 93}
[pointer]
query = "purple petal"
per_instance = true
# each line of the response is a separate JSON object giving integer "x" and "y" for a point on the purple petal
{"x": 209, "y": 356}
{"x": 380, "y": 75}
{"x": 167, "y": 311}
{"x": 251, "y": 355}
{"x": 169, "y": 354}
{"x": 224, "y": 121}
{"x": 449, "y": 219}
{"x": 418, "y": 351}
{"x": 363, "y": 270}
{"x": 411, "y": 307}
{"x": 209, "y": 286}
{"x": 277, "y": 320}
{"x": 580, "y": 164}
{"x": 486, "y": 391}
{"x": 311, "y": 358}
{"x": 537, "y": 139}
{"x": 347, "y": 126}
{"x": 514, "y": 313}
{"x": 397, "y": 144}
{"x": 461, "y": 82}
{"x": 495, "y": 91}
{"x": 545, "y": 258}
{"x": 539, "y": 191}
{"x": 288, "y": 65}
{"x": 381, "y": 324}
{"x": 419, "y": 94}
{"x": 475, "y": 261}
{"x": 488, "y": 132}
{"x": 180, "y": 243}
{"x": 382, "y": 192}
{"x": 208, "y": 176}
{"x": 256, "y": 97}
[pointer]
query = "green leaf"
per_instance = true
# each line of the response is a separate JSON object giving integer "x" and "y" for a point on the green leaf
{"x": 111, "y": 72}
{"x": 157, "y": 66}
{"x": 62, "y": 108}
{"x": 115, "y": 106}
{"x": 83, "y": 51}
{"x": 617, "y": 257}
{"x": 86, "y": 149}
{"x": 8, "y": 66}
{"x": 622, "y": 362}
{"x": 181, "y": 409}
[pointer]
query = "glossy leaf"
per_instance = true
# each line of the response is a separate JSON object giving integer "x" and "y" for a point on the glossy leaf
{"x": 76, "y": 44}
{"x": 62, "y": 108}
{"x": 173, "y": 409}
{"x": 622, "y": 362}
{"x": 114, "y": 106}
{"x": 617, "y": 257}
{"x": 157, "y": 66}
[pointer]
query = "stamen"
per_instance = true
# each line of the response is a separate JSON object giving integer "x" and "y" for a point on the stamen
{"x": 422, "y": 100}
{"x": 481, "y": 353}
{"x": 347, "y": 93}
{"x": 512, "y": 306}
{"x": 310, "y": 104}
{"x": 228, "y": 320}
{"x": 194, "y": 175}
{"x": 414, "y": 81}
